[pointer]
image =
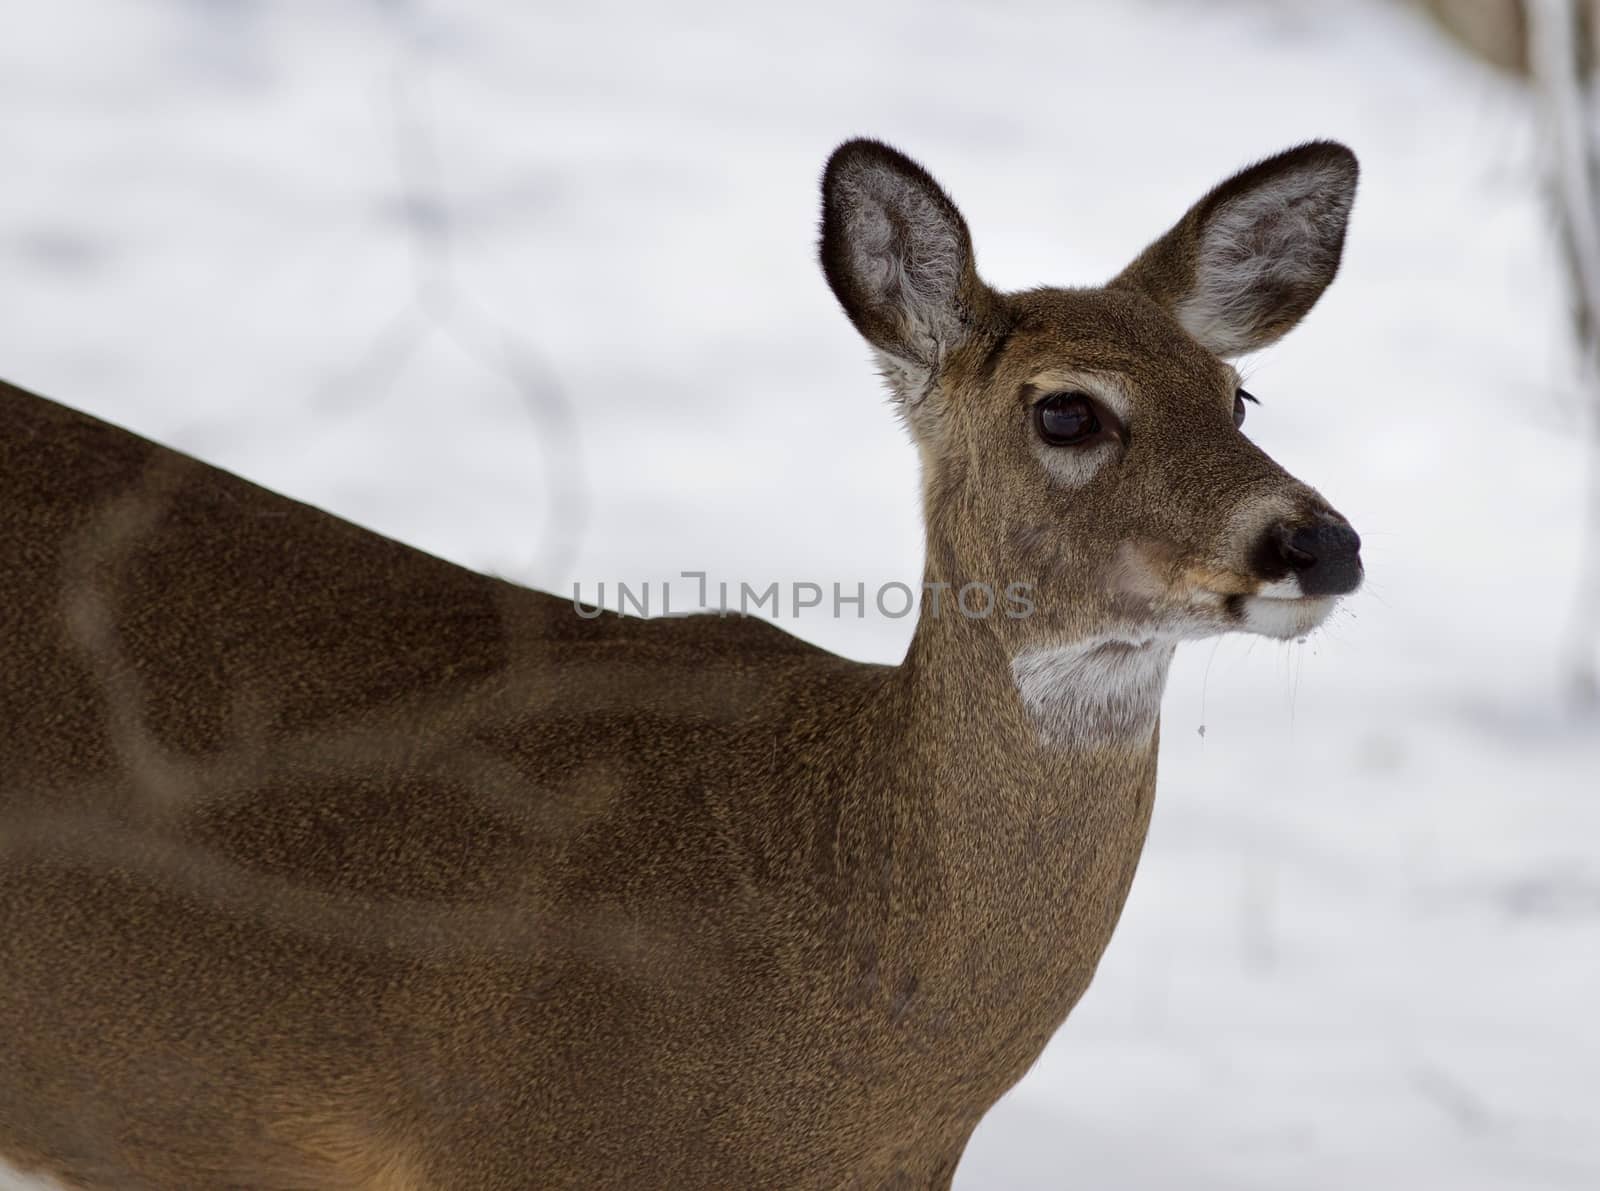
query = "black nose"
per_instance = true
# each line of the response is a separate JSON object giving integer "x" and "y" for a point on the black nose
{"x": 1326, "y": 557}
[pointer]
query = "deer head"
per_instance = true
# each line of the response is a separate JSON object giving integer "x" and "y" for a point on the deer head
{"x": 1090, "y": 443}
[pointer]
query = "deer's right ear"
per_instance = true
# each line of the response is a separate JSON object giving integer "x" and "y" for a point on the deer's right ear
{"x": 899, "y": 259}
{"x": 1250, "y": 258}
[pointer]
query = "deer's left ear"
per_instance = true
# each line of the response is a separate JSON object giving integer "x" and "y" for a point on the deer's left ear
{"x": 1250, "y": 258}
{"x": 897, "y": 254}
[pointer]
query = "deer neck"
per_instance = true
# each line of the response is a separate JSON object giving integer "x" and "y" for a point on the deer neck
{"x": 1003, "y": 731}
{"x": 1018, "y": 844}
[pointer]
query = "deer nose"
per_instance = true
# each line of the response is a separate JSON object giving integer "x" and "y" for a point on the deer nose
{"x": 1325, "y": 558}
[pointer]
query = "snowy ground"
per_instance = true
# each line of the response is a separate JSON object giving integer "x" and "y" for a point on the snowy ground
{"x": 370, "y": 254}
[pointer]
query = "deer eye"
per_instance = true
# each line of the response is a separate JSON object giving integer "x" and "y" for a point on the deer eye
{"x": 1239, "y": 399}
{"x": 1066, "y": 419}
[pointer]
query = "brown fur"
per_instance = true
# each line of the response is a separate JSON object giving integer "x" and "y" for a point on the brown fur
{"x": 328, "y": 864}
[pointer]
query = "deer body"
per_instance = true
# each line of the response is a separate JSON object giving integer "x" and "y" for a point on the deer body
{"x": 328, "y": 864}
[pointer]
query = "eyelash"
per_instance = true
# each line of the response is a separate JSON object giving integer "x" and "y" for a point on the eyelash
{"x": 1241, "y": 397}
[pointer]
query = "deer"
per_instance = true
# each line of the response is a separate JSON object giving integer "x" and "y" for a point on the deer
{"x": 328, "y": 864}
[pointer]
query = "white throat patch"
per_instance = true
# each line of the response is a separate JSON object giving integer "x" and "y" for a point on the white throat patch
{"x": 1103, "y": 691}
{"x": 12, "y": 1179}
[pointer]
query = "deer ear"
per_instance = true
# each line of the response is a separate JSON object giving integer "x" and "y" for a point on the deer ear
{"x": 898, "y": 257}
{"x": 1250, "y": 258}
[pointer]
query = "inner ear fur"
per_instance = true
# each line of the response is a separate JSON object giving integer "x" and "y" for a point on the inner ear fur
{"x": 898, "y": 256}
{"x": 1247, "y": 261}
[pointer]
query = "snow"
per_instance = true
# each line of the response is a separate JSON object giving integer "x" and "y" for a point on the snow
{"x": 380, "y": 256}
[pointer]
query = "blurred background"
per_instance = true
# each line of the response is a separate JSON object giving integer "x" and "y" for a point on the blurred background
{"x": 532, "y": 286}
